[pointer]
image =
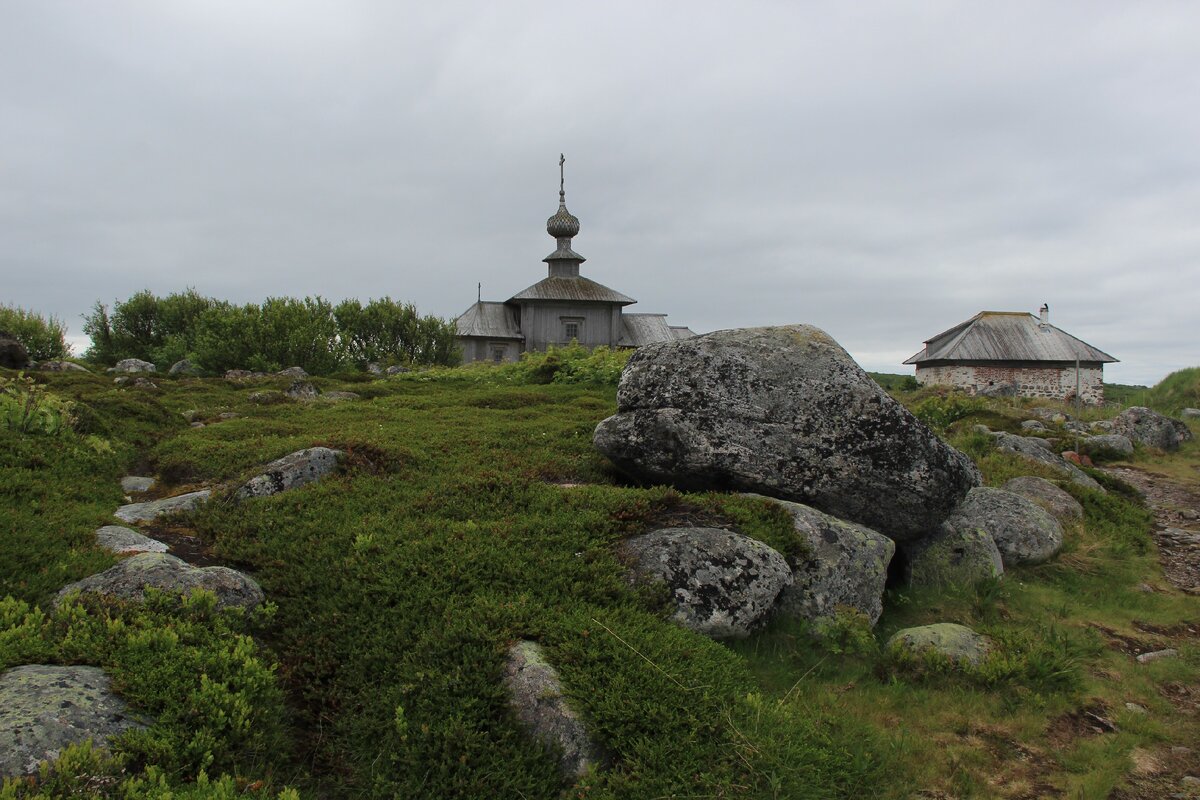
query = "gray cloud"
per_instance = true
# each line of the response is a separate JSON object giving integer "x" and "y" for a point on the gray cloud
{"x": 882, "y": 170}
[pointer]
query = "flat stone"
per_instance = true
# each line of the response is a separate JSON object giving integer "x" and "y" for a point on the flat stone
{"x": 139, "y": 512}
{"x": 1190, "y": 413}
{"x": 337, "y": 397}
{"x": 1107, "y": 446}
{"x": 956, "y": 642}
{"x": 1134, "y": 708}
{"x": 537, "y": 698}
{"x": 132, "y": 365}
{"x": 136, "y": 483}
{"x": 295, "y": 373}
{"x": 43, "y": 709}
{"x": 1155, "y": 655}
{"x": 129, "y": 579}
{"x": 125, "y": 540}
{"x": 61, "y": 366}
{"x": 291, "y": 471}
{"x": 1036, "y": 451}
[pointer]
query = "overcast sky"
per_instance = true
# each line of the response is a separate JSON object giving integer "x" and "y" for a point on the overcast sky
{"x": 881, "y": 170}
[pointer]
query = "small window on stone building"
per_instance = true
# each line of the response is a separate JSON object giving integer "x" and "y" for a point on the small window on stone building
{"x": 499, "y": 351}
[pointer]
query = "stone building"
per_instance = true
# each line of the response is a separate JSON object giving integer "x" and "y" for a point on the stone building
{"x": 1013, "y": 353}
{"x": 561, "y": 308}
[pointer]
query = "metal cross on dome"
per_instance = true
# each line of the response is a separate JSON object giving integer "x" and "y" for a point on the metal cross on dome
{"x": 562, "y": 159}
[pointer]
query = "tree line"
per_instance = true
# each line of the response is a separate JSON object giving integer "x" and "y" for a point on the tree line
{"x": 312, "y": 333}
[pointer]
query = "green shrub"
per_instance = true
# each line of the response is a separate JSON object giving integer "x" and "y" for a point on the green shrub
{"x": 387, "y": 332}
{"x": 160, "y": 330}
{"x": 26, "y": 407}
{"x": 939, "y": 412}
{"x": 44, "y": 338}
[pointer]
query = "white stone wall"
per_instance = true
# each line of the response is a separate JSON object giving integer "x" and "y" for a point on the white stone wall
{"x": 1052, "y": 381}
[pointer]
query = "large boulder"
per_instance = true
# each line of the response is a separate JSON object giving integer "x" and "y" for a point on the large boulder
{"x": 1065, "y": 508}
{"x": 184, "y": 367}
{"x": 43, "y": 709}
{"x": 130, "y": 579}
{"x": 1024, "y": 532}
{"x": 132, "y": 365}
{"x": 136, "y": 484}
{"x": 295, "y": 373}
{"x": 61, "y": 366}
{"x": 844, "y": 565}
{"x": 302, "y": 390}
{"x": 1034, "y": 449}
{"x": 124, "y": 541}
{"x": 536, "y": 697}
{"x": 723, "y": 584}
{"x": 957, "y": 643}
{"x": 13, "y": 354}
{"x": 293, "y": 470}
{"x": 180, "y": 503}
{"x": 787, "y": 413}
{"x": 1108, "y": 446}
{"x": 1151, "y": 428}
{"x": 951, "y": 557}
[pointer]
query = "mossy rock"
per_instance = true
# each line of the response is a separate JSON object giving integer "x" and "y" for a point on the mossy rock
{"x": 956, "y": 643}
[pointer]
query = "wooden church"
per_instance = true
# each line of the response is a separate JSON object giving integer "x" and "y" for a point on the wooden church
{"x": 561, "y": 308}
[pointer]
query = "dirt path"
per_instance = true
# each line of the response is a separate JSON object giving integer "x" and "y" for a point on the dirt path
{"x": 1176, "y": 511}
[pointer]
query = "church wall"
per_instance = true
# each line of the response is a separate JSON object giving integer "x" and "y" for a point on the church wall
{"x": 542, "y": 324}
{"x": 478, "y": 348}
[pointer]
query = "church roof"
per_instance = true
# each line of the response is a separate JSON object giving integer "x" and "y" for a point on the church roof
{"x": 573, "y": 289}
{"x": 642, "y": 329}
{"x": 1007, "y": 336}
{"x": 494, "y": 320}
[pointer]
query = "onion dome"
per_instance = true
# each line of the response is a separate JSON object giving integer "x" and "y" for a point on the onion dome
{"x": 564, "y": 224}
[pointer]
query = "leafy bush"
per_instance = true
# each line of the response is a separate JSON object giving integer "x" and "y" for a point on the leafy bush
{"x": 44, "y": 338}
{"x": 160, "y": 330}
{"x": 571, "y": 364}
{"x": 385, "y": 331}
{"x": 26, "y": 407}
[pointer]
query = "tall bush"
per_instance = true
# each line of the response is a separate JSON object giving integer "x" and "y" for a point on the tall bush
{"x": 44, "y": 337}
{"x": 161, "y": 330}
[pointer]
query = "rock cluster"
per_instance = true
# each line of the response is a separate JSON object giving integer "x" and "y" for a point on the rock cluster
{"x": 1151, "y": 428}
{"x": 784, "y": 412}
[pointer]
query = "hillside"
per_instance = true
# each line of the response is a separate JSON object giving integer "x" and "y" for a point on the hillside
{"x": 471, "y": 511}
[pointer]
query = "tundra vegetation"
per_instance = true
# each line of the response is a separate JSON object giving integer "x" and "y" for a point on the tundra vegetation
{"x": 472, "y": 511}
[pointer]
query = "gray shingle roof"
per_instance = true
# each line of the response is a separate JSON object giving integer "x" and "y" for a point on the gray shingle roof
{"x": 494, "y": 320}
{"x": 642, "y": 329}
{"x": 574, "y": 289}
{"x": 1007, "y": 336}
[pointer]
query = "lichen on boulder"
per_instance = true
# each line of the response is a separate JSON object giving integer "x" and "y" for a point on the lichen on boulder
{"x": 952, "y": 557}
{"x": 129, "y": 580}
{"x": 956, "y": 643}
{"x": 1024, "y": 532}
{"x": 291, "y": 471}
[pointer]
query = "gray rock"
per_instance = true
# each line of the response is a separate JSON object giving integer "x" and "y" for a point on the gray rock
{"x": 1024, "y": 532}
{"x": 302, "y": 391}
{"x": 1134, "y": 708}
{"x": 374, "y": 368}
{"x": 138, "y": 512}
{"x": 132, "y": 365}
{"x": 267, "y": 397}
{"x": 197, "y": 425}
{"x": 1101, "y": 425}
{"x": 129, "y": 579}
{"x": 952, "y": 557}
{"x": 1058, "y": 502}
{"x": 13, "y": 354}
{"x": 723, "y": 584}
{"x": 999, "y": 390}
{"x": 395, "y": 369}
{"x": 295, "y": 373}
{"x": 1033, "y": 425}
{"x": 337, "y": 397}
{"x": 1150, "y": 428}
{"x": 1107, "y": 446}
{"x": 291, "y": 471}
{"x": 1078, "y": 427}
{"x": 191, "y": 415}
{"x": 536, "y": 697}
{"x": 1155, "y": 655}
{"x": 845, "y": 567}
{"x": 227, "y": 415}
{"x": 136, "y": 483}
{"x": 137, "y": 382}
{"x": 1190, "y": 413}
{"x": 956, "y": 642}
{"x": 61, "y": 366}
{"x": 1035, "y": 450}
{"x": 1050, "y": 415}
{"x": 787, "y": 413}
{"x": 980, "y": 428}
{"x": 125, "y": 540}
{"x": 43, "y": 709}
{"x": 184, "y": 367}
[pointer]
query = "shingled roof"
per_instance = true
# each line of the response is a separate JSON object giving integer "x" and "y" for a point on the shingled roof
{"x": 1007, "y": 336}
{"x": 573, "y": 289}
{"x": 643, "y": 329}
{"x": 494, "y": 320}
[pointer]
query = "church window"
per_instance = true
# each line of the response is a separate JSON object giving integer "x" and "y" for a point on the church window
{"x": 572, "y": 328}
